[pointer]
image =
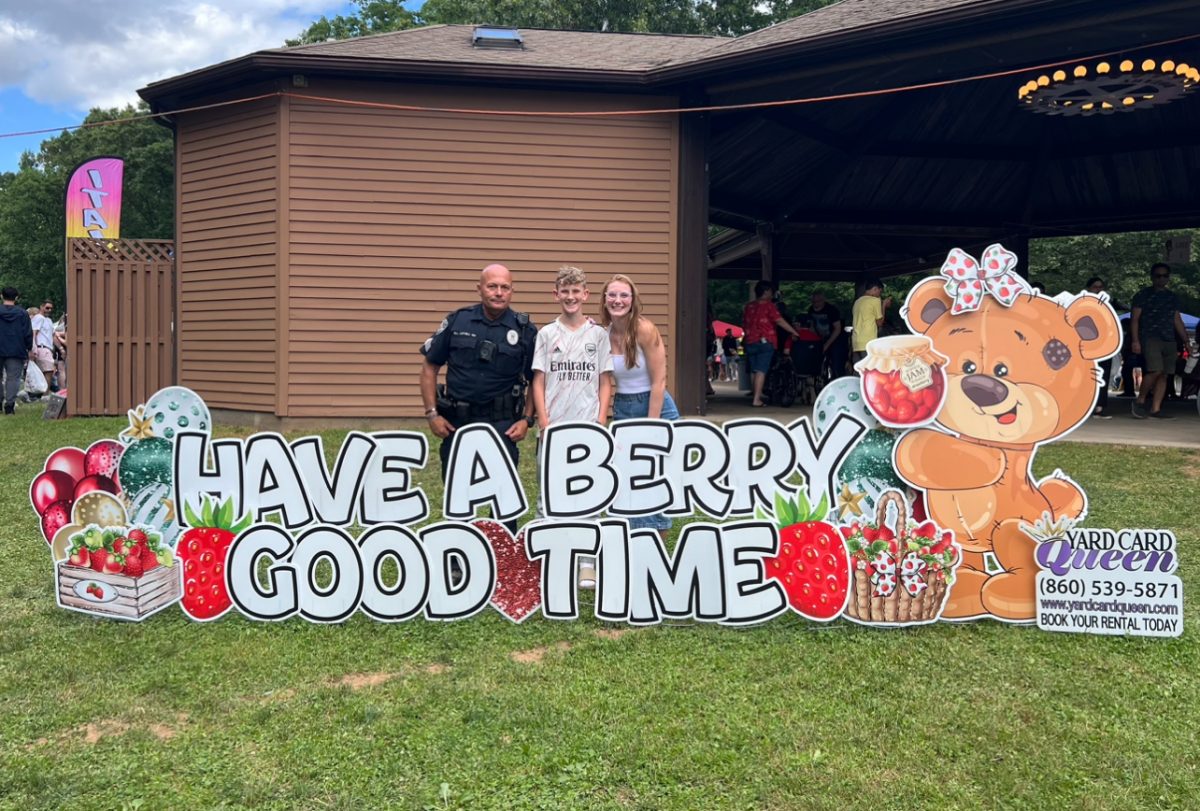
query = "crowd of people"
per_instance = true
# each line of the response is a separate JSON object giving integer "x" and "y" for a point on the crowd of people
{"x": 1156, "y": 363}
{"x": 33, "y": 350}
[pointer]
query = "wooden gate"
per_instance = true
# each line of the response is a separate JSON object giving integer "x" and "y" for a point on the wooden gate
{"x": 120, "y": 326}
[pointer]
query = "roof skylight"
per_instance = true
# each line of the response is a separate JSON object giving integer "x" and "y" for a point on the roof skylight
{"x": 494, "y": 36}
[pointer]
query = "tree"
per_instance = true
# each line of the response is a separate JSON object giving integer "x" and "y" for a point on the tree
{"x": 32, "y": 213}
{"x": 1122, "y": 260}
{"x": 718, "y": 17}
{"x": 372, "y": 17}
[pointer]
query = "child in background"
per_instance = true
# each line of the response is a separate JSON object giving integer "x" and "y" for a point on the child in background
{"x": 572, "y": 370}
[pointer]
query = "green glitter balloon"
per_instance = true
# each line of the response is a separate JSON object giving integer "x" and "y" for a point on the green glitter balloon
{"x": 145, "y": 462}
{"x": 871, "y": 458}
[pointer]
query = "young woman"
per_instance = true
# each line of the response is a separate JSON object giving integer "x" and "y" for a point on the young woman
{"x": 639, "y": 366}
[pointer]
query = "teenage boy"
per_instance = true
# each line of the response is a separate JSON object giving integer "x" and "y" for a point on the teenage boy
{"x": 572, "y": 370}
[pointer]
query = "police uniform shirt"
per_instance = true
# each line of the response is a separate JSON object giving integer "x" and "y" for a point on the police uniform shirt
{"x": 457, "y": 345}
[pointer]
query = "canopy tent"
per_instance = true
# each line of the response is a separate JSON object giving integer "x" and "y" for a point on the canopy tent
{"x": 719, "y": 327}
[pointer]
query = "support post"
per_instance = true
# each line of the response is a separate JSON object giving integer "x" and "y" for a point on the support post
{"x": 691, "y": 272}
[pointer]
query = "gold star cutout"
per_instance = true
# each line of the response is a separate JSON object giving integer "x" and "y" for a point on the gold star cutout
{"x": 849, "y": 503}
{"x": 169, "y": 506}
{"x": 139, "y": 426}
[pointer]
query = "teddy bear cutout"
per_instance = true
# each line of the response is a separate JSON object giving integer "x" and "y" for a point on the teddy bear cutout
{"x": 1022, "y": 371}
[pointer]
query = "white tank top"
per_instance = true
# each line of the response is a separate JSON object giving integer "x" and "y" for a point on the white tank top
{"x": 631, "y": 381}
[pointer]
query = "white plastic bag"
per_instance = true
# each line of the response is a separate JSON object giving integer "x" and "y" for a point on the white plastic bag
{"x": 35, "y": 381}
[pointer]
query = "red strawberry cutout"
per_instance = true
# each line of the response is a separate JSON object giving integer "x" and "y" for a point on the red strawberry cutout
{"x": 203, "y": 549}
{"x": 518, "y": 593}
{"x": 812, "y": 565}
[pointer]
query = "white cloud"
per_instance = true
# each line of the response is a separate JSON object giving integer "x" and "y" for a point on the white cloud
{"x": 77, "y": 56}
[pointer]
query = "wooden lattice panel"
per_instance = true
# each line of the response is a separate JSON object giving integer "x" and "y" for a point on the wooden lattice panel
{"x": 123, "y": 250}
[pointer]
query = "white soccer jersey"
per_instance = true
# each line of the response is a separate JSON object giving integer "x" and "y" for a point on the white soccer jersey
{"x": 572, "y": 362}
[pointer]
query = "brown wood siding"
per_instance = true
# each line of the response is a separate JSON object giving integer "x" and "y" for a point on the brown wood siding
{"x": 227, "y": 187}
{"x": 392, "y": 214}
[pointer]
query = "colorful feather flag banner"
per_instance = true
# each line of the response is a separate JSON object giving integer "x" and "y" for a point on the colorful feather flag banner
{"x": 93, "y": 199}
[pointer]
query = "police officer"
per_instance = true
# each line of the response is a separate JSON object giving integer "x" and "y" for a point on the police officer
{"x": 488, "y": 353}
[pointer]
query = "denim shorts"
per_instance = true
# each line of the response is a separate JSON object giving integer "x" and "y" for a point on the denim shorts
{"x": 758, "y": 357}
{"x": 635, "y": 406}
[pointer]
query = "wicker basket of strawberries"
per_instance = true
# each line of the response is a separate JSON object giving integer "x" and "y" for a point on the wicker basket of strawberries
{"x": 900, "y": 574}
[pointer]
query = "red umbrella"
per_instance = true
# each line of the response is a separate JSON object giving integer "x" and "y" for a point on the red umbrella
{"x": 719, "y": 328}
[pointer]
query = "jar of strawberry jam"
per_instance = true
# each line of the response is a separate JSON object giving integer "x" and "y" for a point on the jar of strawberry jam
{"x": 903, "y": 379}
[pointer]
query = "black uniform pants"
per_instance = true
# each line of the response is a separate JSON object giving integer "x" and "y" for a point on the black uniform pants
{"x": 513, "y": 452}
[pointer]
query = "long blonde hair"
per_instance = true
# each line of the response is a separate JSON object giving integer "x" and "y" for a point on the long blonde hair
{"x": 629, "y": 340}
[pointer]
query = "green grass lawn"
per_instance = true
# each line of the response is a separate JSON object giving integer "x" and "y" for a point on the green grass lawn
{"x": 171, "y": 714}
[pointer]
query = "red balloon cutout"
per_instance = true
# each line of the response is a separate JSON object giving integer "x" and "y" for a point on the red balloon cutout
{"x": 56, "y": 516}
{"x": 49, "y": 487}
{"x": 103, "y": 457}
{"x": 69, "y": 461}
{"x": 94, "y": 482}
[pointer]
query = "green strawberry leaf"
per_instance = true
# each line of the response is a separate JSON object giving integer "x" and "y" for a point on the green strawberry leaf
{"x": 822, "y": 508}
{"x": 225, "y": 513}
{"x": 782, "y": 510}
{"x": 243, "y": 523}
{"x": 190, "y": 516}
{"x": 803, "y": 508}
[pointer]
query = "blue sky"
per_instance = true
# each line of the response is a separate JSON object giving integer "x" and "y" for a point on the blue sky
{"x": 59, "y": 58}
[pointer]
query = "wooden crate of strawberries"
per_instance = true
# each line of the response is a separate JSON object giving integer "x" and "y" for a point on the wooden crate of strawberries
{"x": 109, "y": 574}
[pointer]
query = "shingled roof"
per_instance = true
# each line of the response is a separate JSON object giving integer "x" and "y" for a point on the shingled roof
{"x": 543, "y": 48}
{"x": 639, "y": 59}
{"x": 837, "y": 18}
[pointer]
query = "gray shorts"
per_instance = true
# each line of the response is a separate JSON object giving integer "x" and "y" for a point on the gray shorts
{"x": 1160, "y": 355}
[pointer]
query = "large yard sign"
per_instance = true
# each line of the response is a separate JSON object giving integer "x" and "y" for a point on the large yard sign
{"x": 907, "y": 499}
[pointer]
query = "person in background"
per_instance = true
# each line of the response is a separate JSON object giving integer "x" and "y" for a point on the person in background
{"x": 827, "y": 321}
{"x": 60, "y": 351}
{"x": 1156, "y": 328}
{"x": 43, "y": 342}
{"x": 760, "y": 318}
{"x": 1132, "y": 365}
{"x": 16, "y": 345}
{"x": 867, "y": 316}
{"x": 729, "y": 348}
{"x": 639, "y": 364}
{"x": 1096, "y": 286}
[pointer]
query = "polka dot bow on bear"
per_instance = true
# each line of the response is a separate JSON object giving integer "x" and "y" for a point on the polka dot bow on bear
{"x": 968, "y": 281}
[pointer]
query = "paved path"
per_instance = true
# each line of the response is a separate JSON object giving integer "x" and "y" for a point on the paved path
{"x": 1122, "y": 429}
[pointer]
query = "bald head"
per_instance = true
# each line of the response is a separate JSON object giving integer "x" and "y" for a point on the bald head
{"x": 495, "y": 290}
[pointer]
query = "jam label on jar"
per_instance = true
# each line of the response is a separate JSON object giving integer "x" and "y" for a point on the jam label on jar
{"x": 916, "y": 374}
